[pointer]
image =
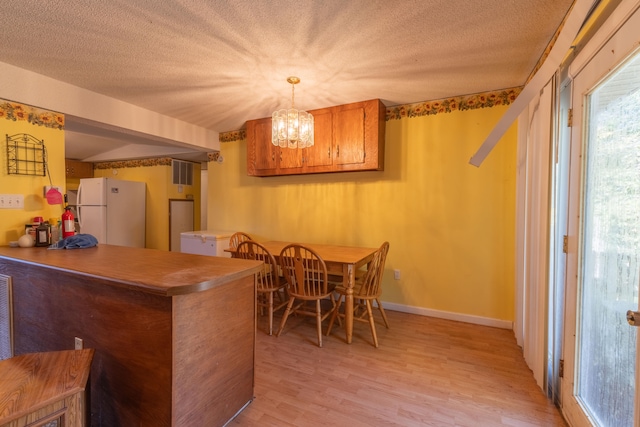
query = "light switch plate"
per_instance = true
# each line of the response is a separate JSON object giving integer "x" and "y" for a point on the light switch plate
{"x": 11, "y": 201}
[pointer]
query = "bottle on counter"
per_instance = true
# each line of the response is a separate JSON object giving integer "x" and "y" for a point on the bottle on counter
{"x": 68, "y": 226}
{"x": 54, "y": 225}
{"x": 42, "y": 234}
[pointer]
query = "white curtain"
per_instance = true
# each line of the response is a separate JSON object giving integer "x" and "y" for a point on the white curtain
{"x": 532, "y": 235}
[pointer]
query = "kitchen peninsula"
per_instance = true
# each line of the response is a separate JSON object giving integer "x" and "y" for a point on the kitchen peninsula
{"x": 173, "y": 333}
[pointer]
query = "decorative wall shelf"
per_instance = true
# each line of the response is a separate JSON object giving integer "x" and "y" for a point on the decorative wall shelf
{"x": 26, "y": 155}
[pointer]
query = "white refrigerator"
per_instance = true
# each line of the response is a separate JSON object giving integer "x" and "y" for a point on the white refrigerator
{"x": 112, "y": 210}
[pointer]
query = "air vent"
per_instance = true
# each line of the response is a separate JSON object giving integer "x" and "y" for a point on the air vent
{"x": 6, "y": 318}
{"x": 182, "y": 172}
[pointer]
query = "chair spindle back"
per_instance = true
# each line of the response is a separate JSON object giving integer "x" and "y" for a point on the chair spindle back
{"x": 268, "y": 275}
{"x": 305, "y": 271}
{"x": 373, "y": 278}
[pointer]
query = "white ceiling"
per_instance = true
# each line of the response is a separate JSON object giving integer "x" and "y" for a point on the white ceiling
{"x": 217, "y": 64}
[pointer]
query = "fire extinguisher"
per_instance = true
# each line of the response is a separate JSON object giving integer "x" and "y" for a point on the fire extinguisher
{"x": 68, "y": 227}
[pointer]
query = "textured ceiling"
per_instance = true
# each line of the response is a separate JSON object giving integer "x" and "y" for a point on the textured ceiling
{"x": 217, "y": 64}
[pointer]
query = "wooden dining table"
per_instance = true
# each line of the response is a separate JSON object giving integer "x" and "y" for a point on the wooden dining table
{"x": 340, "y": 260}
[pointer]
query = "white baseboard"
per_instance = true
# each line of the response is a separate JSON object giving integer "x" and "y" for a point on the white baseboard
{"x": 484, "y": 321}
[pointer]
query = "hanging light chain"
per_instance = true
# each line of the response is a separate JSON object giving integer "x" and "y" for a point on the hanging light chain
{"x": 294, "y": 81}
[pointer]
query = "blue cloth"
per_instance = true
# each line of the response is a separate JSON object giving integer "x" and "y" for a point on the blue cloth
{"x": 77, "y": 241}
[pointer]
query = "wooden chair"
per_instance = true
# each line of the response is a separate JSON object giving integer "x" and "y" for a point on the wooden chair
{"x": 307, "y": 281}
{"x": 236, "y": 239}
{"x": 366, "y": 290}
{"x": 269, "y": 281}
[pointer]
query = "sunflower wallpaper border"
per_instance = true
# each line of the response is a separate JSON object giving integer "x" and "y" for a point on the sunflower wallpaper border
{"x": 457, "y": 103}
{"x": 426, "y": 108}
{"x": 16, "y": 111}
{"x": 136, "y": 163}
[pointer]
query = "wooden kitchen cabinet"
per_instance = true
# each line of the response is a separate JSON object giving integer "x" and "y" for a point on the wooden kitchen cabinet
{"x": 321, "y": 153}
{"x": 77, "y": 169}
{"x": 265, "y": 153}
{"x": 268, "y": 158}
{"x": 347, "y": 138}
{"x": 45, "y": 389}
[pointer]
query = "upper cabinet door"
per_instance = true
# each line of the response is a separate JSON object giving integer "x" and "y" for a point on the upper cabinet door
{"x": 321, "y": 152}
{"x": 349, "y": 138}
{"x": 262, "y": 154}
{"x": 290, "y": 158}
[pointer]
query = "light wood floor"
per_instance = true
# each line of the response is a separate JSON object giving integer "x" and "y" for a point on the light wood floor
{"x": 427, "y": 372}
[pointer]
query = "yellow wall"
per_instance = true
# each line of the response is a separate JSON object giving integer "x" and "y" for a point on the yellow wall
{"x": 451, "y": 226}
{"x": 159, "y": 191}
{"x": 12, "y": 221}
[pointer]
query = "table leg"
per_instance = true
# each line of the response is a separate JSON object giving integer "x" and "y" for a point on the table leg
{"x": 349, "y": 277}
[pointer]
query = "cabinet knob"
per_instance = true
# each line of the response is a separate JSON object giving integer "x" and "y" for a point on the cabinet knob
{"x": 338, "y": 151}
{"x": 329, "y": 152}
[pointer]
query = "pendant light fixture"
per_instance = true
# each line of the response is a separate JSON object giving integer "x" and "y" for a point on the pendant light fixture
{"x": 292, "y": 128}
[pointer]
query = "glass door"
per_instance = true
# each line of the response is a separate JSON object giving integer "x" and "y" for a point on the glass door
{"x": 599, "y": 386}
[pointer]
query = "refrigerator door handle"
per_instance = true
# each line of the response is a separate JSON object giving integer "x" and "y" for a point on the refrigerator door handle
{"x": 79, "y": 196}
{"x": 79, "y": 203}
{"x": 78, "y": 210}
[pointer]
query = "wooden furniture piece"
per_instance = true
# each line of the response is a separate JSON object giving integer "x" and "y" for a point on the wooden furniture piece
{"x": 365, "y": 291}
{"x": 268, "y": 280}
{"x": 308, "y": 281}
{"x": 44, "y": 389}
{"x": 340, "y": 260}
{"x": 173, "y": 333}
{"x": 236, "y": 239}
{"x": 347, "y": 138}
{"x": 78, "y": 169}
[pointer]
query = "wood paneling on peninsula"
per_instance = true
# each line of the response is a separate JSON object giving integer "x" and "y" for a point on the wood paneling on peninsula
{"x": 173, "y": 333}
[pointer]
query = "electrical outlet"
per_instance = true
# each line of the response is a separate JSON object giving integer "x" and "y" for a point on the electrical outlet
{"x": 396, "y": 274}
{"x": 78, "y": 344}
{"x": 11, "y": 201}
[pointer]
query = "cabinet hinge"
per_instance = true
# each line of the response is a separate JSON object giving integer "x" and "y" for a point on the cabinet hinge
{"x": 570, "y": 117}
{"x": 565, "y": 244}
{"x": 561, "y": 369}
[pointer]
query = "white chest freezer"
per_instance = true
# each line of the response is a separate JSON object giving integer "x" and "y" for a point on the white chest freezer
{"x": 205, "y": 242}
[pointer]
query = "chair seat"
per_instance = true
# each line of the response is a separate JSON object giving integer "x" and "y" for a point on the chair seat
{"x": 356, "y": 289}
{"x": 277, "y": 284}
{"x": 331, "y": 287}
{"x": 339, "y": 278}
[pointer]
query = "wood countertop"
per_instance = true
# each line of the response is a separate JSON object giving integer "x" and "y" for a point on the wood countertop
{"x": 149, "y": 270}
